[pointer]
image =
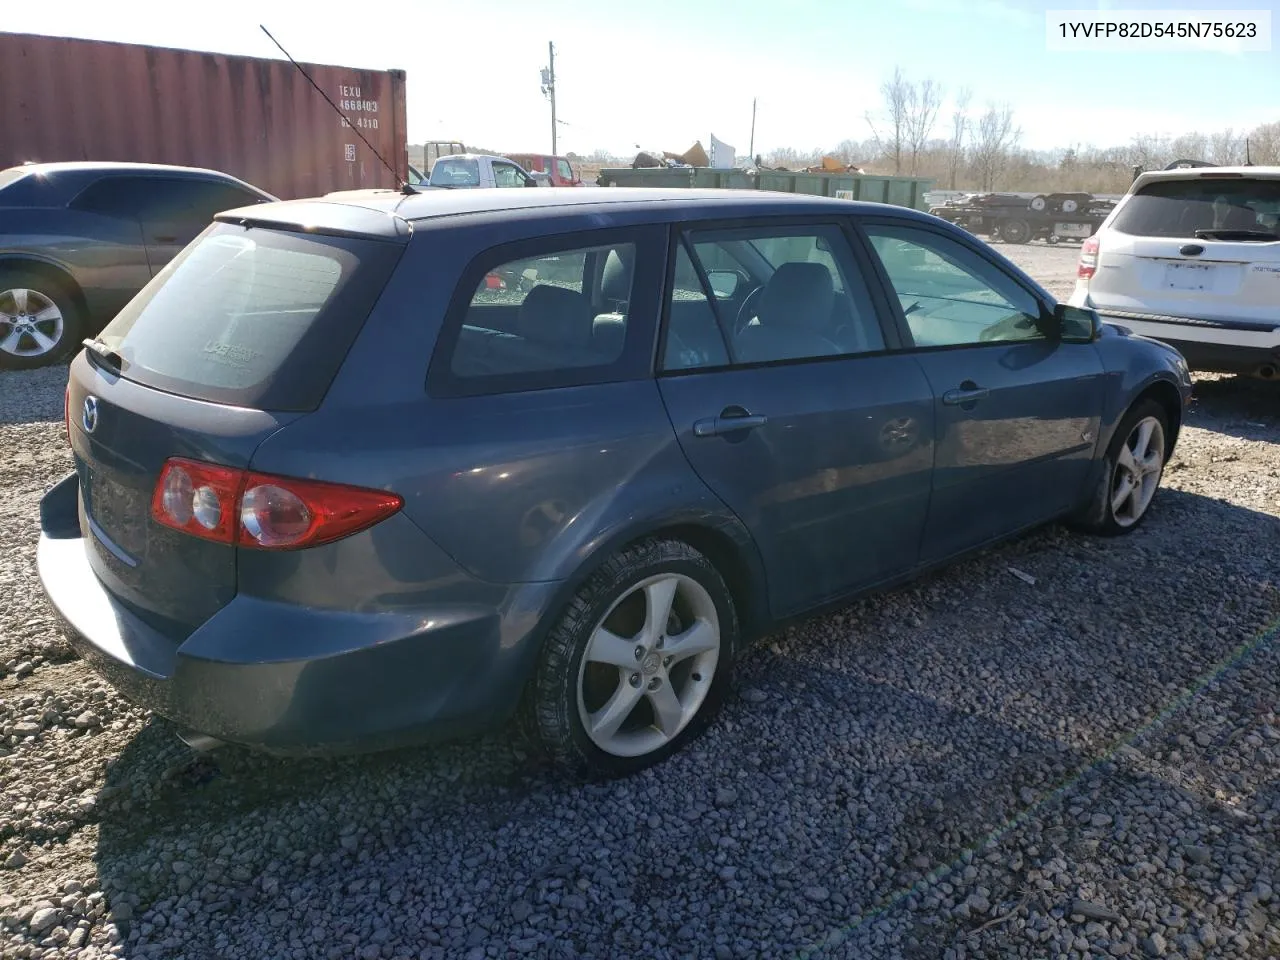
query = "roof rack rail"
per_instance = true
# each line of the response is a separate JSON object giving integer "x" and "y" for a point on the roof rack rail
{"x": 1184, "y": 164}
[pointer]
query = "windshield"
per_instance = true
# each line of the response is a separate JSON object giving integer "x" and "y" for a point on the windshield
{"x": 456, "y": 172}
{"x": 1180, "y": 208}
{"x": 250, "y": 316}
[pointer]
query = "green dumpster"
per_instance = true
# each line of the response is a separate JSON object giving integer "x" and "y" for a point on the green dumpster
{"x": 899, "y": 191}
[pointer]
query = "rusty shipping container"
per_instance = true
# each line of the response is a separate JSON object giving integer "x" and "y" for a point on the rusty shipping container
{"x": 257, "y": 119}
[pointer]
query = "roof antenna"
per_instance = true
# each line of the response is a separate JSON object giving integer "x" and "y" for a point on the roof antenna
{"x": 400, "y": 181}
{"x": 1247, "y": 161}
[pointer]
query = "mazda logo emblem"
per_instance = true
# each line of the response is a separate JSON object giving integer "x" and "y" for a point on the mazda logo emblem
{"x": 89, "y": 417}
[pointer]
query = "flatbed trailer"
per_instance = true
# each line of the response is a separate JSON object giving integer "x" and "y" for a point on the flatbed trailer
{"x": 1017, "y": 218}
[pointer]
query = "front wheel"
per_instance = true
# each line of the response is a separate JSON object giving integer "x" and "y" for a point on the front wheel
{"x": 1131, "y": 472}
{"x": 637, "y": 665}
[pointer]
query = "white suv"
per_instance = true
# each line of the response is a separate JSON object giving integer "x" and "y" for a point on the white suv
{"x": 1192, "y": 257}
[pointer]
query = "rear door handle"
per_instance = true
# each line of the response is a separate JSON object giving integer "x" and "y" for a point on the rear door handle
{"x": 967, "y": 393}
{"x": 166, "y": 238}
{"x": 716, "y": 426}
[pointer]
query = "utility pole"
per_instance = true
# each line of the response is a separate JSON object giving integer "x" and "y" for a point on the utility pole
{"x": 549, "y": 88}
{"x": 751, "y": 151}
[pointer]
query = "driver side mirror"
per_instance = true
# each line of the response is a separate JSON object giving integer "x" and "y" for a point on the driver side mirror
{"x": 1076, "y": 324}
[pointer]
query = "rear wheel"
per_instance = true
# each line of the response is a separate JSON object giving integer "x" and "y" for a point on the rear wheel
{"x": 39, "y": 319}
{"x": 638, "y": 664}
{"x": 1015, "y": 231}
{"x": 1131, "y": 475}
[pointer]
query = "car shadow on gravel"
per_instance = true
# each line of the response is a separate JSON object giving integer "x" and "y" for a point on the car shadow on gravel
{"x": 928, "y": 758}
{"x": 1243, "y": 407}
{"x": 32, "y": 396}
{"x": 796, "y": 794}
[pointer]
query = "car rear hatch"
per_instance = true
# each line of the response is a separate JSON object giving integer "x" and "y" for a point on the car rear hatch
{"x": 1204, "y": 245}
{"x": 239, "y": 335}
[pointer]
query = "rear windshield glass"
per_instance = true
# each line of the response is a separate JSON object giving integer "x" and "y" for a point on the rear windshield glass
{"x": 9, "y": 176}
{"x": 456, "y": 173}
{"x": 20, "y": 187}
{"x": 1179, "y": 208}
{"x": 251, "y": 316}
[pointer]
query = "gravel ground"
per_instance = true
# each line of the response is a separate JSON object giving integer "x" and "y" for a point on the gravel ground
{"x": 1081, "y": 761}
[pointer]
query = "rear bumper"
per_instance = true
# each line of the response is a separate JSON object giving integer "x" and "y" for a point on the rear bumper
{"x": 1216, "y": 346}
{"x": 381, "y": 680}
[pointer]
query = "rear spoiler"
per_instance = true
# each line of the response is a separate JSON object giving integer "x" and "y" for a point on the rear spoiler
{"x": 327, "y": 218}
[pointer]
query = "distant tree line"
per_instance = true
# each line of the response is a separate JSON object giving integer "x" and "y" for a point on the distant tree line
{"x": 923, "y": 130}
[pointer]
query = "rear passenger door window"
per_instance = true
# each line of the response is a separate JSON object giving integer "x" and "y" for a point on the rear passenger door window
{"x": 776, "y": 294}
{"x": 506, "y": 175}
{"x": 950, "y": 295}
{"x": 551, "y": 312}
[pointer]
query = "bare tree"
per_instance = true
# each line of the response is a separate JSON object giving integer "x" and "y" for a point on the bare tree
{"x": 1264, "y": 144}
{"x": 897, "y": 93}
{"x": 1226, "y": 147}
{"x": 1189, "y": 146}
{"x": 1149, "y": 151}
{"x": 994, "y": 138}
{"x": 959, "y": 129}
{"x": 848, "y": 151}
{"x": 923, "y": 104}
{"x": 791, "y": 158}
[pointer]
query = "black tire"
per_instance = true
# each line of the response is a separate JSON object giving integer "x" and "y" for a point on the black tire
{"x": 1015, "y": 231}
{"x": 1099, "y": 515}
{"x": 37, "y": 284}
{"x": 550, "y": 711}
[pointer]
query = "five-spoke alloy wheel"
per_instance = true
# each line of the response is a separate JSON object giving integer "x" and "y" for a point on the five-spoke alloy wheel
{"x": 1135, "y": 475}
{"x": 1131, "y": 471}
{"x": 638, "y": 663}
{"x": 39, "y": 320}
{"x": 648, "y": 665}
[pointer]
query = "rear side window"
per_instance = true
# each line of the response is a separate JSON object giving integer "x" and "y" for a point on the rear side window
{"x": 538, "y": 314}
{"x": 553, "y": 312}
{"x": 163, "y": 199}
{"x": 251, "y": 316}
{"x": 1191, "y": 208}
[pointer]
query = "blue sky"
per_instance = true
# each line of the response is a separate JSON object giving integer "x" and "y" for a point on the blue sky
{"x": 663, "y": 73}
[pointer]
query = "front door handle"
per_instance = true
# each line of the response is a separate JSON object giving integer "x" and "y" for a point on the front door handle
{"x": 968, "y": 392}
{"x": 727, "y": 422}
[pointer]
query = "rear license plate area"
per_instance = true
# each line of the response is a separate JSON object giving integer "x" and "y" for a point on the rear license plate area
{"x": 111, "y": 507}
{"x": 1188, "y": 276}
{"x": 1075, "y": 231}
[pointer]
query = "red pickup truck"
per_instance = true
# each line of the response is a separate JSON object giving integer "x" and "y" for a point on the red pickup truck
{"x": 557, "y": 170}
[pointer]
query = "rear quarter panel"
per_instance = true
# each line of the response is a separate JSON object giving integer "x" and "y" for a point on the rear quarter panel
{"x": 517, "y": 487}
{"x": 103, "y": 256}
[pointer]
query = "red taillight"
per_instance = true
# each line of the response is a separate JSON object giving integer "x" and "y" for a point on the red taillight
{"x": 1088, "y": 259}
{"x": 279, "y": 512}
{"x": 255, "y": 510}
{"x": 198, "y": 498}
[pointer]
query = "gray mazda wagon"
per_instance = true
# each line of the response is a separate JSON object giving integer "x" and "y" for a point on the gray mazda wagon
{"x": 355, "y": 473}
